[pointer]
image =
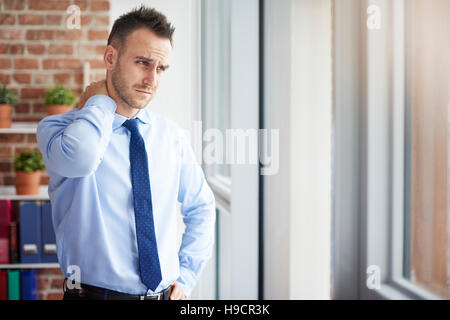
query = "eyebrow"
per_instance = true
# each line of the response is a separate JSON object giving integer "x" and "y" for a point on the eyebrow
{"x": 150, "y": 60}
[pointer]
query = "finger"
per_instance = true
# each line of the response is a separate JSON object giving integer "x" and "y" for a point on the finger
{"x": 174, "y": 295}
{"x": 177, "y": 293}
{"x": 80, "y": 102}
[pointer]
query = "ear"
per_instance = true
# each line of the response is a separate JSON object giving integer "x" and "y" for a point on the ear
{"x": 110, "y": 57}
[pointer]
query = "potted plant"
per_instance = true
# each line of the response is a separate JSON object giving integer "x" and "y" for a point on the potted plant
{"x": 8, "y": 99}
{"x": 28, "y": 165}
{"x": 59, "y": 100}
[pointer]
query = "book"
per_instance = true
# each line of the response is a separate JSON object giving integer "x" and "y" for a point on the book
{"x": 14, "y": 228}
{"x": 5, "y": 220}
{"x": 48, "y": 234}
{"x": 5, "y": 211}
{"x": 3, "y": 285}
{"x": 13, "y": 285}
{"x": 30, "y": 232}
{"x": 29, "y": 287}
{"x": 13, "y": 243}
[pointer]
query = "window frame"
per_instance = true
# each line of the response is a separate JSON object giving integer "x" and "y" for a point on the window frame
{"x": 236, "y": 195}
{"x": 220, "y": 184}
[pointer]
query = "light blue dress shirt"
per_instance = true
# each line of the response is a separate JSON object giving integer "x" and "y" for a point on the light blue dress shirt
{"x": 86, "y": 153}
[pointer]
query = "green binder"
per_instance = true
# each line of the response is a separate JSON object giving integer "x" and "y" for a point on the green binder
{"x": 13, "y": 285}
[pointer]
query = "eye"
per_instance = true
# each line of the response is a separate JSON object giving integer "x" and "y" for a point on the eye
{"x": 142, "y": 62}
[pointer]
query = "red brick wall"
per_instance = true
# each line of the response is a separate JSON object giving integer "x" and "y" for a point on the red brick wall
{"x": 36, "y": 51}
{"x": 50, "y": 284}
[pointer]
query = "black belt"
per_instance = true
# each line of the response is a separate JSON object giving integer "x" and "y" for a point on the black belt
{"x": 97, "y": 293}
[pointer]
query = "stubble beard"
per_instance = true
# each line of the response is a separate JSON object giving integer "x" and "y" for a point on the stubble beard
{"x": 121, "y": 88}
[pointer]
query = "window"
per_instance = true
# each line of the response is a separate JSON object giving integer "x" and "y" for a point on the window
{"x": 391, "y": 140}
{"x": 216, "y": 69}
{"x": 427, "y": 259}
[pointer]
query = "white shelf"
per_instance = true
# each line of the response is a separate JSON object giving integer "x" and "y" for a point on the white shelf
{"x": 9, "y": 193}
{"x": 30, "y": 266}
{"x": 21, "y": 127}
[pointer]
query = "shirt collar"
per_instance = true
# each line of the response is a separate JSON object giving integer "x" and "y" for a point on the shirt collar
{"x": 143, "y": 116}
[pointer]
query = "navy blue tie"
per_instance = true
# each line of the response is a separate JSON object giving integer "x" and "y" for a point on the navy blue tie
{"x": 149, "y": 266}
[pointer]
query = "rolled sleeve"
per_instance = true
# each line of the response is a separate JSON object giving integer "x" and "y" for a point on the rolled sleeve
{"x": 72, "y": 144}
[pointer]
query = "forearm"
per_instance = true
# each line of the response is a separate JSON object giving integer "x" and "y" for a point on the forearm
{"x": 197, "y": 241}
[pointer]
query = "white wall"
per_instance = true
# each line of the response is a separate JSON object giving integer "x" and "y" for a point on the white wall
{"x": 298, "y": 102}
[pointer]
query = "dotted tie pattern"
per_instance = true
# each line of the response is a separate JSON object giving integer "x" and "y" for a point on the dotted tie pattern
{"x": 149, "y": 265}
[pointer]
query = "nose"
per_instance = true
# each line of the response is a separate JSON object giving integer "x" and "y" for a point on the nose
{"x": 150, "y": 79}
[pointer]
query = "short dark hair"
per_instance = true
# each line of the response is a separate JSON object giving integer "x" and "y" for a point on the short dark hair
{"x": 142, "y": 17}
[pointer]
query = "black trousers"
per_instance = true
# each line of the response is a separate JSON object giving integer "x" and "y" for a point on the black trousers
{"x": 96, "y": 293}
{"x": 71, "y": 296}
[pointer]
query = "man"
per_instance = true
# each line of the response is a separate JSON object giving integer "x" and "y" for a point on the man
{"x": 117, "y": 171}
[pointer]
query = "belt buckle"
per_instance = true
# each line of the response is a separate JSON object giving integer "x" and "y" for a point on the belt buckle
{"x": 157, "y": 296}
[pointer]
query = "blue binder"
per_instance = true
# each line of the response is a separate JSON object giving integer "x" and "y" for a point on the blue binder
{"x": 48, "y": 234}
{"x": 30, "y": 232}
{"x": 29, "y": 288}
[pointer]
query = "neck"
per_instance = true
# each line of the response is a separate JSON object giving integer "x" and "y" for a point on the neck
{"x": 122, "y": 108}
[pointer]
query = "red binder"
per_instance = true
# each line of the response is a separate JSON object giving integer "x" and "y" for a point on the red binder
{"x": 3, "y": 285}
{"x": 5, "y": 212}
{"x": 5, "y": 220}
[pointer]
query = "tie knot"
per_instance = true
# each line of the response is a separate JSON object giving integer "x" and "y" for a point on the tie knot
{"x": 132, "y": 125}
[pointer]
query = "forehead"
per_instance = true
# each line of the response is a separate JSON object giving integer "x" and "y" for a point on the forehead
{"x": 143, "y": 42}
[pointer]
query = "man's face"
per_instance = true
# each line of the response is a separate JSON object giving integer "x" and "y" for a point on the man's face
{"x": 140, "y": 67}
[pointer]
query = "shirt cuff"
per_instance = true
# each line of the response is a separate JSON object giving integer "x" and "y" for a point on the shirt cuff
{"x": 185, "y": 282}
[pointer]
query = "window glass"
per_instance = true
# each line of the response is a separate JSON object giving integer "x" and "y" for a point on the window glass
{"x": 427, "y": 250}
{"x": 216, "y": 69}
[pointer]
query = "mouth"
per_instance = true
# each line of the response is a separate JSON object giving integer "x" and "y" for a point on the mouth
{"x": 147, "y": 93}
